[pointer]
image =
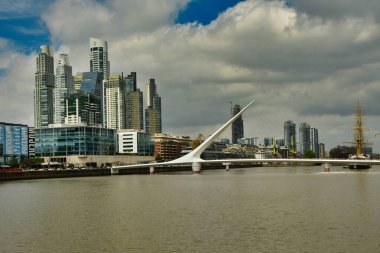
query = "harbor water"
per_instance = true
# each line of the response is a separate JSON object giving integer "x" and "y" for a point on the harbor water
{"x": 265, "y": 209}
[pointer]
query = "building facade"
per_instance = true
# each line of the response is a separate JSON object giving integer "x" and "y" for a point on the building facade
{"x": 13, "y": 141}
{"x": 169, "y": 147}
{"x": 115, "y": 102}
{"x": 44, "y": 85}
{"x": 136, "y": 142}
{"x": 304, "y": 138}
{"x": 75, "y": 140}
{"x": 99, "y": 57}
{"x": 64, "y": 85}
{"x": 237, "y": 125}
{"x": 314, "y": 141}
{"x": 290, "y": 136}
{"x": 153, "y": 119}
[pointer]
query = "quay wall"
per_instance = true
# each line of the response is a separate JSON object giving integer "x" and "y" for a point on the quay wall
{"x": 25, "y": 175}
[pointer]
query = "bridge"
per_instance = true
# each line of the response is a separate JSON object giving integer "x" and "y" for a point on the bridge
{"x": 194, "y": 159}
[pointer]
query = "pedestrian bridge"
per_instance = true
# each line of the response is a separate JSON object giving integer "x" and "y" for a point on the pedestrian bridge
{"x": 194, "y": 159}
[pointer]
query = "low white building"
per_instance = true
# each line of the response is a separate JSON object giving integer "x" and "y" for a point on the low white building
{"x": 134, "y": 141}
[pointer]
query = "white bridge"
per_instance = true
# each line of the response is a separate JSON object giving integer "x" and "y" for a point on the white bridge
{"x": 194, "y": 157}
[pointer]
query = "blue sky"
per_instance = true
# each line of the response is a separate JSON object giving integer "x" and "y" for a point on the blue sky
{"x": 27, "y": 31}
{"x": 301, "y": 61}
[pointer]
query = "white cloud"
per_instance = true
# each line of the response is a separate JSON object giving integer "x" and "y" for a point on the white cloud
{"x": 299, "y": 66}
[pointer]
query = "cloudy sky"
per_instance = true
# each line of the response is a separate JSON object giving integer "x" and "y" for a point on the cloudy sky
{"x": 306, "y": 61}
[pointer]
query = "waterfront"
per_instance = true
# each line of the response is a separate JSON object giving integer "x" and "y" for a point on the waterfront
{"x": 300, "y": 209}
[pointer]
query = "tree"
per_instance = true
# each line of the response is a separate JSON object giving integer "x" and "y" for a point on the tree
{"x": 342, "y": 152}
{"x": 309, "y": 154}
{"x": 158, "y": 157}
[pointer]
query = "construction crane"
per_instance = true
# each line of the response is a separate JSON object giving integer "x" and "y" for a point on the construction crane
{"x": 197, "y": 141}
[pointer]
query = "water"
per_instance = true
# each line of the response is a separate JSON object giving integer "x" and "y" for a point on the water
{"x": 299, "y": 209}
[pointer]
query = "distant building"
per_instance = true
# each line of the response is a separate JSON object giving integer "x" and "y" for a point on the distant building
{"x": 314, "y": 142}
{"x": 44, "y": 85}
{"x": 304, "y": 138}
{"x": 268, "y": 141}
{"x": 225, "y": 141}
{"x": 134, "y": 117}
{"x": 248, "y": 141}
{"x": 136, "y": 142}
{"x": 280, "y": 142}
{"x": 64, "y": 85}
{"x": 237, "y": 125}
{"x": 322, "y": 151}
{"x": 99, "y": 57}
{"x": 153, "y": 119}
{"x": 169, "y": 147}
{"x": 290, "y": 135}
{"x": 13, "y": 141}
{"x": 115, "y": 102}
{"x": 75, "y": 140}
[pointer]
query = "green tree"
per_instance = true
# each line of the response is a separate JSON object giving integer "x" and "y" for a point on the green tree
{"x": 309, "y": 154}
{"x": 342, "y": 152}
{"x": 158, "y": 157}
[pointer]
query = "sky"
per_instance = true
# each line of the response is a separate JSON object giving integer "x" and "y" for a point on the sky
{"x": 305, "y": 61}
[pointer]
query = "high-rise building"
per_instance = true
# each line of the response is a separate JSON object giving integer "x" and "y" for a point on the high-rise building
{"x": 134, "y": 112}
{"x": 268, "y": 141}
{"x": 237, "y": 125}
{"x": 99, "y": 57}
{"x": 314, "y": 142}
{"x": 290, "y": 135}
{"x": 115, "y": 104}
{"x": 85, "y": 104}
{"x": 63, "y": 87}
{"x": 134, "y": 118}
{"x": 322, "y": 150}
{"x": 304, "y": 138}
{"x": 153, "y": 119}
{"x": 44, "y": 85}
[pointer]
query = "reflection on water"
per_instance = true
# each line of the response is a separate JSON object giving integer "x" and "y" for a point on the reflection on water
{"x": 292, "y": 209}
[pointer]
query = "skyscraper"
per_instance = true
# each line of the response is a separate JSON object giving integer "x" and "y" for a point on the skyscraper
{"x": 99, "y": 57}
{"x": 314, "y": 142}
{"x": 134, "y": 112}
{"x": 86, "y": 102}
{"x": 153, "y": 120}
{"x": 237, "y": 125}
{"x": 290, "y": 135}
{"x": 63, "y": 86}
{"x": 44, "y": 85}
{"x": 115, "y": 106}
{"x": 304, "y": 137}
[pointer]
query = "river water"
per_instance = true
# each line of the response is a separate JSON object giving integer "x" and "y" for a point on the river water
{"x": 285, "y": 209}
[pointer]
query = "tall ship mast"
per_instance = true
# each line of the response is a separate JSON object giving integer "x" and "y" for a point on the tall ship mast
{"x": 359, "y": 140}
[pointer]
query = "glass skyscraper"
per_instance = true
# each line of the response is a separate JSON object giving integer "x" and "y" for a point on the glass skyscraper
{"x": 304, "y": 138}
{"x": 44, "y": 85}
{"x": 63, "y": 87}
{"x": 99, "y": 57}
{"x": 153, "y": 119}
{"x": 290, "y": 135}
{"x": 237, "y": 125}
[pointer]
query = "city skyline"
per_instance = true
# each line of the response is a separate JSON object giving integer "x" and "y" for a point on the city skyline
{"x": 303, "y": 62}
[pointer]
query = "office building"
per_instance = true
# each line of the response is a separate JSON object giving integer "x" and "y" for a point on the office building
{"x": 99, "y": 57}
{"x": 44, "y": 85}
{"x": 134, "y": 117}
{"x": 137, "y": 142}
{"x": 13, "y": 141}
{"x": 63, "y": 87}
{"x": 131, "y": 82}
{"x": 237, "y": 125}
{"x": 153, "y": 119}
{"x": 280, "y": 142}
{"x": 304, "y": 138}
{"x": 314, "y": 142}
{"x": 268, "y": 141}
{"x": 290, "y": 136}
{"x": 322, "y": 150}
{"x": 75, "y": 140}
{"x": 115, "y": 102}
{"x": 31, "y": 142}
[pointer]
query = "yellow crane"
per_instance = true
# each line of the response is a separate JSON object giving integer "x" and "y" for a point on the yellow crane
{"x": 197, "y": 141}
